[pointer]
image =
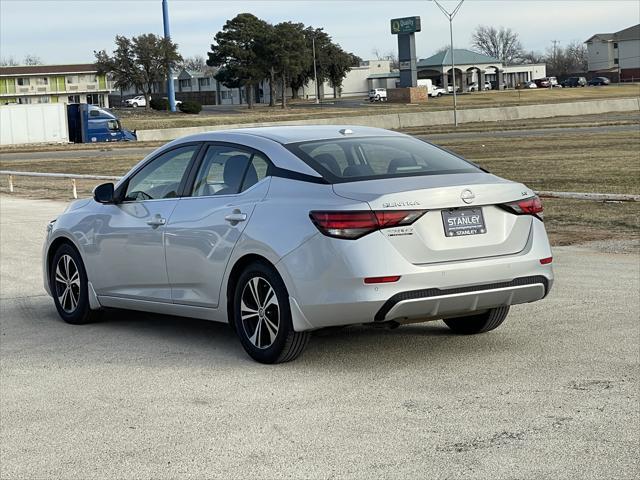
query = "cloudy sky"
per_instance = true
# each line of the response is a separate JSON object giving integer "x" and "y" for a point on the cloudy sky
{"x": 68, "y": 31}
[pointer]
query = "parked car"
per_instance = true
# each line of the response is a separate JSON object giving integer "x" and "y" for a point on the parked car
{"x": 378, "y": 95}
{"x": 137, "y": 101}
{"x": 450, "y": 89}
{"x": 599, "y": 81}
{"x": 547, "y": 82}
{"x": 178, "y": 102}
{"x": 527, "y": 85}
{"x": 495, "y": 86}
{"x": 283, "y": 230}
{"x": 572, "y": 82}
{"x": 474, "y": 87}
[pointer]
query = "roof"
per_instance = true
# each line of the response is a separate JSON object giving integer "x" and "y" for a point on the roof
{"x": 602, "y": 36}
{"x": 462, "y": 56}
{"x": 630, "y": 33}
{"x": 385, "y": 75}
{"x": 48, "y": 69}
{"x": 297, "y": 133}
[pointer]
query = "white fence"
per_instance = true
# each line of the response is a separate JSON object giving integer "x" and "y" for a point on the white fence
{"x": 600, "y": 197}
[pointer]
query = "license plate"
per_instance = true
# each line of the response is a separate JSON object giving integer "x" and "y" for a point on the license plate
{"x": 463, "y": 221}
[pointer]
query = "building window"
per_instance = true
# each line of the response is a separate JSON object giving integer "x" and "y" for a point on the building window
{"x": 23, "y": 81}
{"x": 95, "y": 99}
{"x": 225, "y": 94}
{"x": 89, "y": 78}
{"x": 204, "y": 82}
{"x": 73, "y": 99}
{"x": 42, "y": 81}
{"x": 184, "y": 83}
{"x": 615, "y": 44}
{"x": 615, "y": 61}
{"x": 72, "y": 79}
{"x": 42, "y": 99}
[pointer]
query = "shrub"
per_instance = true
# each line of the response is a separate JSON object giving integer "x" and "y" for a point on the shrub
{"x": 159, "y": 104}
{"x": 190, "y": 106}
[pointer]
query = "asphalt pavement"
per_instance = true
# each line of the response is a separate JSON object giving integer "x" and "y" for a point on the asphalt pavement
{"x": 553, "y": 393}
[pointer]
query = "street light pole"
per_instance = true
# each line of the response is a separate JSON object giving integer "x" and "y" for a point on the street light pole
{"x": 315, "y": 72}
{"x": 170, "y": 89}
{"x": 450, "y": 16}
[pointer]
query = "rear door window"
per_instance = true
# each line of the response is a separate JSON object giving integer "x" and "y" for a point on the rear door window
{"x": 353, "y": 159}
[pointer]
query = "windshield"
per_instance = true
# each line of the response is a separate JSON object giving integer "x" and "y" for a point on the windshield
{"x": 353, "y": 159}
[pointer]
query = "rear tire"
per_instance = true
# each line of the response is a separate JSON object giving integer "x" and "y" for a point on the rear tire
{"x": 262, "y": 316}
{"x": 69, "y": 287}
{"x": 481, "y": 323}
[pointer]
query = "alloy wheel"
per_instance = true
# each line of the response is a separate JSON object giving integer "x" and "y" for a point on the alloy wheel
{"x": 260, "y": 312}
{"x": 67, "y": 281}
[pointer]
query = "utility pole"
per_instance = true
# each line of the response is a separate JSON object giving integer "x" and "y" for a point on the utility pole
{"x": 555, "y": 57}
{"x": 170, "y": 89}
{"x": 450, "y": 17}
{"x": 315, "y": 72}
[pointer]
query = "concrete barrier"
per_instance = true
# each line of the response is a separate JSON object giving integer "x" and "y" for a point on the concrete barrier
{"x": 394, "y": 121}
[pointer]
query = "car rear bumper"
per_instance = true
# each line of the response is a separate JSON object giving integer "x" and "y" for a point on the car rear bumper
{"x": 325, "y": 280}
{"x": 437, "y": 303}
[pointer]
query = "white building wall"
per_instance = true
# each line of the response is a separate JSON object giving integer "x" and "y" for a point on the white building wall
{"x": 629, "y": 54}
{"x": 600, "y": 54}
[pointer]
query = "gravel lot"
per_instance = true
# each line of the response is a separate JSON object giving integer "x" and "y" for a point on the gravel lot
{"x": 551, "y": 394}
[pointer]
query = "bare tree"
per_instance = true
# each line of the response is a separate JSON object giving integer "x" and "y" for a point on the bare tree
{"x": 563, "y": 61}
{"x": 8, "y": 62}
{"x": 442, "y": 49}
{"x": 30, "y": 59}
{"x": 501, "y": 43}
{"x": 389, "y": 55}
{"x": 532, "y": 57}
{"x": 196, "y": 63}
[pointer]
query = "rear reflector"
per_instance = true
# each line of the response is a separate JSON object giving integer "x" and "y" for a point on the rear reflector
{"x": 528, "y": 206}
{"x": 545, "y": 261}
{"x": 389, "y": 279}
{"x": 358, "y": 223}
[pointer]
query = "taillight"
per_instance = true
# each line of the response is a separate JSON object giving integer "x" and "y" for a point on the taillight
{"x": 355, "y": 224}
{"x": 528, "y": 206}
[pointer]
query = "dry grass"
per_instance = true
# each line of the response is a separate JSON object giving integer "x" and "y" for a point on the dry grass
{"x": 144, "y": 120}
{"x": 595, "y": 162}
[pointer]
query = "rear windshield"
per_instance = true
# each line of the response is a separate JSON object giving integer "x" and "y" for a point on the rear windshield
{"x": 354, "y": 159}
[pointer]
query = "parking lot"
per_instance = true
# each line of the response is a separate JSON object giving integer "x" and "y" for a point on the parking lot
{"x": 551, "y": 394}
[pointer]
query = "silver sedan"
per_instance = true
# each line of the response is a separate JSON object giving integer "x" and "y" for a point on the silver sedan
{"x": 280, "y": 231}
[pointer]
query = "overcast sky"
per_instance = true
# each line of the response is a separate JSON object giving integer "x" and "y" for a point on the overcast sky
{"x": 68, "y": 31}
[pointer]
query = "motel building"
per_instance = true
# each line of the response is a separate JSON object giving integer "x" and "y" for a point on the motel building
{"x": 471, "y": 67}
{"x": 53, "y": 84}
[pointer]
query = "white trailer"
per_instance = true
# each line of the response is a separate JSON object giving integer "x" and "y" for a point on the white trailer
{"x": 34, "y": 123}
{"x": 432, "y": 90}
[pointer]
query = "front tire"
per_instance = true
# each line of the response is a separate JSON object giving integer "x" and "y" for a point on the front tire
{"x": 480, "y": 323}
{"x": 69, "y": 286}
{"x": 262, "y": 316}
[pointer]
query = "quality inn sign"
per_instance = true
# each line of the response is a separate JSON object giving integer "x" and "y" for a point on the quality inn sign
{"x": 405, "y": 25}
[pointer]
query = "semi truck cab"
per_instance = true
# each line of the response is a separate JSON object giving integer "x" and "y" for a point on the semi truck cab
{"x": 91, "y": 124}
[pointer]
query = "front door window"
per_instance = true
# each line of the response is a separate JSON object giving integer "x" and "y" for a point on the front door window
{"x": 161, "y": 178}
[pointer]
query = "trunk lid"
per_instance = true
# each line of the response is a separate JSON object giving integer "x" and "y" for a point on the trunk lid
{"x": 426, "y": 241}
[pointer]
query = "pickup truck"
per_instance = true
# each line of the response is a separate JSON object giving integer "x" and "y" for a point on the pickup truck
{"x": 137, "y": 101}
{"x": 378, "y": 95}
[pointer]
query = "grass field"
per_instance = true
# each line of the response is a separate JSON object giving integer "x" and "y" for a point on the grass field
{"x": 140, "y": 119}
{"x": 607, "y": 162}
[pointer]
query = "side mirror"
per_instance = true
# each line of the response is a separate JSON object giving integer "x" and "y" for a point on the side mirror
{"x": 103, "y": 193}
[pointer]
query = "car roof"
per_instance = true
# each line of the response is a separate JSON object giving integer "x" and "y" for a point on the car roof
{"x": 299, "y": 133}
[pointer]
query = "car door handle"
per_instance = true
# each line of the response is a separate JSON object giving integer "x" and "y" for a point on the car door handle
{"x": 157, "y": 221}
{"x": 236, "y": 217}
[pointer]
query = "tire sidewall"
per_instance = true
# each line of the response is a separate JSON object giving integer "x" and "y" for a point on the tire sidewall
{"x": 272, "y": 353}
{"x": 79, "y": 315}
